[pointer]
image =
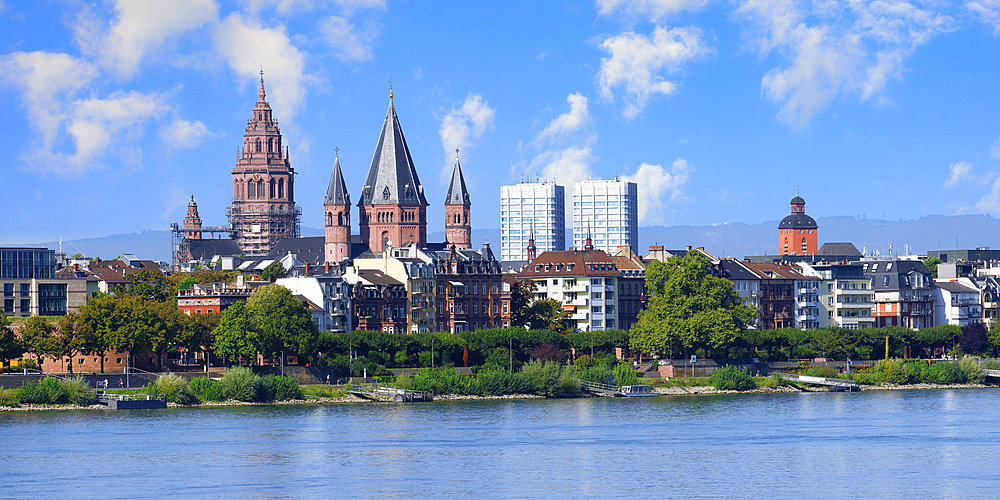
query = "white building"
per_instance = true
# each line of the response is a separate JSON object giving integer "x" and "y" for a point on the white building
{"x": 528, "y": 208}
{"x": 845, "y": 295}
{"x": 959, "y": 302}
{"x": 329, "y": 297}
{"x": 608, "y": 211}
{"x": 585, "y": 282}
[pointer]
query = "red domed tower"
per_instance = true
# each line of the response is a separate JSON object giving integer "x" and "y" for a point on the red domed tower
{"x": 263, "y": 209}
{"x": 797, "y": 233}
{"x": 457, "y": 210}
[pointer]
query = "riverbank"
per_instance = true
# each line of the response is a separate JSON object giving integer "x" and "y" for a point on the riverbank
{"x": 661, "y": 391}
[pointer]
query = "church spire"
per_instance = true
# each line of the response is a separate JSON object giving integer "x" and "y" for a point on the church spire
{"x": 261, "y": 93}
{"x": 336, "y": 190}
{"x": 457, "y": 192}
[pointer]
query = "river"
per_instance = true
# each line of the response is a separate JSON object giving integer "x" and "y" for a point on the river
{"x": 872, "y": 444}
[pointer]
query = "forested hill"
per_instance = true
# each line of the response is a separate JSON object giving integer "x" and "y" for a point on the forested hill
{"x": 934, "y": 232}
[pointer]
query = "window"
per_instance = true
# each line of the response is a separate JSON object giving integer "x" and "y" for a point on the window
{"x": 8, "y": 306}
{"x": 25, "y": 306}
{"x": 596, "y": 309}
{"x": 25, "y": 289}
{"x": 8, "y": 290}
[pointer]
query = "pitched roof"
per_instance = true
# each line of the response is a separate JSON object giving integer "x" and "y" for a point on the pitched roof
{"x": 955, "y": 287}
{"x": 797, "y": 221}
{"x": 336, "y": 191}
{"x": 207, "y": 248}
{"x": 392, "y": 178}
{"x": 571, "y": 263}
{"x": 308, "y": 249}
{"x": 457, "y": 193}
{"x": 839, "y": 250}
{"x": 735, "y": 270}
{"x": 775, "y": 271}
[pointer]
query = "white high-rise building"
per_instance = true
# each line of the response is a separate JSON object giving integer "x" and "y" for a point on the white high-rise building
{"x": 608, "y": 211}
{"x": 531, "y": 207}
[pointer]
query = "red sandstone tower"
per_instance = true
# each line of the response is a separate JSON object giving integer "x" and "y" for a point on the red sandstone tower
{"x": 797, "y": 233}
{"x": 192, "y": 223}
{"x": 392, "y": 208}
{"x": 263, "y": 209}
{"x": 337, "y": 207}
{"x": 457, "y": 210}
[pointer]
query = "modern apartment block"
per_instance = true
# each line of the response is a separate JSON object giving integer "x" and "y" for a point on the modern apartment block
{"x": 845, "y": 295}
{"x": 585, "y": 282}
{"x": 607, "y": 212}
{"x": 531, "y": 209}
{"x": 30, "y": 287}
{"x": 904, "y": 293}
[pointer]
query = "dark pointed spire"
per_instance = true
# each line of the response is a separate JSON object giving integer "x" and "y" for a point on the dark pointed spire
{"x": 336, "y": 191}
{"x": 457, "y": 192}
{"x": 392, "y": 178}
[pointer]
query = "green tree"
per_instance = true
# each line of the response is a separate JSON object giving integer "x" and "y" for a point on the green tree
{"x": 66, "y": 341}
{"x": 932, "y": 263}
{"x": 520, "y": 299}
{"x": 36, "y": 335}
{"x": 234, "y": 336}
{"x": 272, "y": 272}
{"x": 281, "y": 322}
{"x": 689, "y": 308}
{"x": 10, "y": 345}
{"x": 149, "y": 284}
{"x": 547, "y": 314}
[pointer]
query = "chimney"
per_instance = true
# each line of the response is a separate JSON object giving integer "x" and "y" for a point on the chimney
{"x": 326, "y": 268}
{"x": 689, "y": 248}
{"x": 76, "y": 267}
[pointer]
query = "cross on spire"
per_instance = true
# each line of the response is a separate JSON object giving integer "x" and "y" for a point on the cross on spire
{"x": 456, "y": 153}
{"x": 336, "y": 151}
{"x": 262, "y": 73}
{"x": 390, "y": 88}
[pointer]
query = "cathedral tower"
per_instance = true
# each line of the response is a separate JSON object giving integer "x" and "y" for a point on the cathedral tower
{"x": 392, "y": 206}
{"x": 192, "y": 223}
{"x": 263, "y": 209}
{"x": 457, "y": 210}
{"x": 337, "y": 209}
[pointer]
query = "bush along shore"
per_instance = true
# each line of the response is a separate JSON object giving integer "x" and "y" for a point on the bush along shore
{"x": 535, "y": 379}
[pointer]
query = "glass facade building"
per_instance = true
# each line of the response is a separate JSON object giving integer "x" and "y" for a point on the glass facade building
{"x": 607, "y": 211}
{"x": 528, "y": 208}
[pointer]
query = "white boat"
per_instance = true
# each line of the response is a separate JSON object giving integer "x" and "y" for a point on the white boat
{"x": 634, "y": 391}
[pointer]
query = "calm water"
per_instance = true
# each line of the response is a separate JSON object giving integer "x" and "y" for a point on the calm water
{"x": 912, "y": 444}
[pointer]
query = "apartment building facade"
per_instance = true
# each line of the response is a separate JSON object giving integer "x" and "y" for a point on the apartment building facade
{"x": 531, "y": 209}
{"x": 606, "y": 211}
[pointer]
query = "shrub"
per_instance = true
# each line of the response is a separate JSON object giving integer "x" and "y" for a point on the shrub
{"x": 9, "y": 398}
{"x": 945, "y": 373}
{"x": 174, "y": 389}
{"x": 497, "y": 382}
{"x": 548, "y": 352}
{"x": 323, "y": 391}
{"x": 624, "y": 374}
{"x": 822, "y": 371}
{"x": 773, "y": 380}
{"x": 973, "y": 368}
{"x": 890, "y": 371}
{"x": 568, "y": 384}
{"x": 584, "y": 362}
{"x": 282, "y": 388}
{"x": 445, "y": 380}
{"x": 240, "y": 384}
{"x": 47, "y": 391}
{"x": 541, "y": 377}
{"x": 77, "y": 391}
{"x": 207, "y": 389}
{"x": 732, "y": 378}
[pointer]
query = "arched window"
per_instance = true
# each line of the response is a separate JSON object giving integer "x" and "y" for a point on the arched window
{"x": 258, "y": 146}
{"x": 805, "y": 246}
{"x": 340, "y": 219}
{"x": 785, "y": 251}
{"x": 281, "y": 188}
{"x": 251, "y": 190}
{"x": 329, "y": 219}
{"x": 270, "y": 145}
{"x": 466, "y": 218}
{"x": 271, "y": 190}
{"x": 260, "y": 189}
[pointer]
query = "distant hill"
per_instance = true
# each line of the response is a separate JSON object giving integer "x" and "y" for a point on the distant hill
{"x": 934, "y": 232}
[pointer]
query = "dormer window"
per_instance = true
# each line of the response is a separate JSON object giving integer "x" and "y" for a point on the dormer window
{"x": 385, "y": 193}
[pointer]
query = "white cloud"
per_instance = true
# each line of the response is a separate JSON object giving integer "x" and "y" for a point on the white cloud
{"x": 577, "y": 118}
{"x": 46, "y": 80}
{"x": 654, "y": 10}
{"x": 960, "y": 172}
{"x": 348, "y": 7}
{"x": 181, "y": 134}
{"x": 657, "y": 186}
{"x": 139, "y": 28}
{"x": 637, "y": 60}
{"x": 247, "y": 46}
{"x": 460, "y": 126}
{"x": 347, "y": 43}
{"x": 834, "y": 48}
{"x": 566, "y": 145}
{"x": 988, "y": 11}
{"x": 991, "y": 202}
{"x": 99, "y": 124}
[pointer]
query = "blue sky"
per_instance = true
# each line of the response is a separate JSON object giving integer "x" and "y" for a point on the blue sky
{"x": 118, "y": 111}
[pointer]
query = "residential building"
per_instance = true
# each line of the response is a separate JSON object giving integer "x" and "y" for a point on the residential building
{"x": 958, "y": 302}
{"x": 531, "y": 209}
{"x": 263, "y": 207}
{"x": 378, "y": 302}
{"x": 606, "y": 211}
{"x": 205, "y": 298}
{"x": 745, "y": 281}
{"x": 904, "y": 293}
{"x": 584, "y": 281}
{"x": 469, "y": 293}
{"x": 980, "y": 254}
{"x": 415, "y": 269}
{"x": 990, "y": 287}
{"x": 30, "y": 285}
{"x": 632, "y": 293}
{"x": 797, "y": 232}
{"x": 329, "y": 295}
{"x": 788, "y": 298}
{"x": 845, "y": 295}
